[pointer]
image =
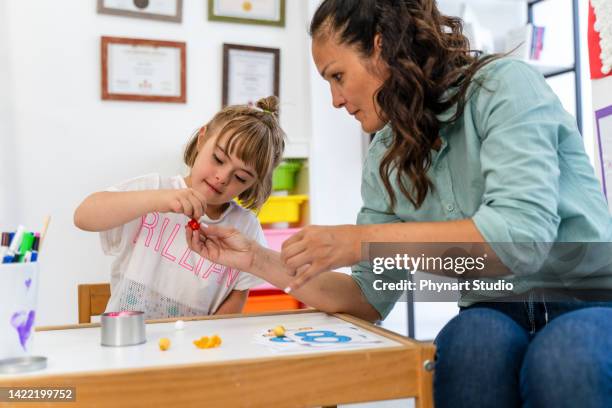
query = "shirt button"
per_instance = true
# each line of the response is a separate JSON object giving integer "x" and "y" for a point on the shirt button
{"x": 450, "y": 208}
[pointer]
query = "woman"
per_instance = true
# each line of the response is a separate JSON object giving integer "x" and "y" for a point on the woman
{"x": 467, "y": 149}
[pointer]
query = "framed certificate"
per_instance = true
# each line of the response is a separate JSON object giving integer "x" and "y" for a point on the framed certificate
{"x": 249, "y": 73}
{"x": 143, "y": 70}
{"x": 164, "y": 10}
{"x": 266, "y": 12}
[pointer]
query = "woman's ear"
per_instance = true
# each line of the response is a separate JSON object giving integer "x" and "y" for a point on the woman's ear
{"x": 378, "y": 43}
{"x": 379, "y": 64}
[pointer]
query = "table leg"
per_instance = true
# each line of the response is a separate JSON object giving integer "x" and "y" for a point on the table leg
{"x": 425, "y": 395}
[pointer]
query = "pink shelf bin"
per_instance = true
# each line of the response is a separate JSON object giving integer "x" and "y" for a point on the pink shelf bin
{"x": 275, "y": 239}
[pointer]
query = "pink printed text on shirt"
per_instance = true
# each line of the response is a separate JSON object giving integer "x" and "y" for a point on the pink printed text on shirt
{"x": 150, "y": 222}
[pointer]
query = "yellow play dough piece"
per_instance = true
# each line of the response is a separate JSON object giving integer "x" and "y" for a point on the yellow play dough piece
{"x": 215, "y": 340}
{"x": 202, "y": 342}
{"x": 279, "y": 331}
{"x": 247, "y": 6}
{"x": 164, "y": 344}
{"x": 205, "y": 342}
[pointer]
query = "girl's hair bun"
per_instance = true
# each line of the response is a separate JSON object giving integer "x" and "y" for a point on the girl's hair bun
{"x": 269, "y": 104}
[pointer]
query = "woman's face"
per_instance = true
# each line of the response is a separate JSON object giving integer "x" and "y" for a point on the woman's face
{"x": 353, "y": 80}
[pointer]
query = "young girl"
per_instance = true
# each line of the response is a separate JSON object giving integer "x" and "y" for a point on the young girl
{"x": 141, "y": 220}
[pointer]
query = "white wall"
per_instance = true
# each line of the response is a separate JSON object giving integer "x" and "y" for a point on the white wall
{"x": 336, "y": 154}
{"x": 9, "y": 186}
{"x": 60, "y": 141}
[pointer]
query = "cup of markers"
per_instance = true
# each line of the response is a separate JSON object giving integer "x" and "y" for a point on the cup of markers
{"x": 19, "y": 247}
{"x": 19, "y": 277}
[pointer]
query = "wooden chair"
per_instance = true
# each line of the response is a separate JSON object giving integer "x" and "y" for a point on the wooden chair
{"x": 92, "y": 300}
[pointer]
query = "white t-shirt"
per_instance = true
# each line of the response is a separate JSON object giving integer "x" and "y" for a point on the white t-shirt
{"x": 156, "y": 272}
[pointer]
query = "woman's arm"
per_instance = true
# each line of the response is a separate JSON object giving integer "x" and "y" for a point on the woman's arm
{"x": 105, "y": 210}
{"x": 233, "y": 303}
{"x": 331, "y": 292}
{"x": 316, "y": 249}
{"x": 440, "y": 231}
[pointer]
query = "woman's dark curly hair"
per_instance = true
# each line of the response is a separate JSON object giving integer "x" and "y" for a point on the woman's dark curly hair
{"x": 426, "y": 54}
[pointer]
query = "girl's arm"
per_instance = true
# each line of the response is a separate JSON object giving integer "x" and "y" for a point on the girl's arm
{"x": 233, "y": 303}
{"x": 105, "y": 210}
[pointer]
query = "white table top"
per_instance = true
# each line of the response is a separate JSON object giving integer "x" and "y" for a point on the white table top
{"x": 79, "y": 350}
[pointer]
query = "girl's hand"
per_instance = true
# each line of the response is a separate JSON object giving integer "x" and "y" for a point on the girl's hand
{"x": 225, "y": 246}
{"x": 184, "y": 201}
{"x": 317, "y": 249}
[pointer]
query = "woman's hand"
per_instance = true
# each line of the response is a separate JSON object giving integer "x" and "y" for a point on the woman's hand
{"x": 225, "y": 246}
{"x": 317, "y": 249}
{"x": 184, "y": 201}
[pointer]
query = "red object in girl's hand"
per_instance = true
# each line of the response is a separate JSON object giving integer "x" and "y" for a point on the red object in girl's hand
{"x": 194, "y": 224}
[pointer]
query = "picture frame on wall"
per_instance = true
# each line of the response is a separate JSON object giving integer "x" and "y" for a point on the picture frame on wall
{"x": 143, "y": 70}
{"x": 162, "y": 10}
{"x": 262, "y": 12}
{"x": 249, "y": 73}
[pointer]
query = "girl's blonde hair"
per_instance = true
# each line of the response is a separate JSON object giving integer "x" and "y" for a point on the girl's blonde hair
{"x": 254, "y": 136}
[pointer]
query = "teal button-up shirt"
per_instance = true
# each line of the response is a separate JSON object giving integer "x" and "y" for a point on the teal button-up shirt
{"x": 514, "y": 163}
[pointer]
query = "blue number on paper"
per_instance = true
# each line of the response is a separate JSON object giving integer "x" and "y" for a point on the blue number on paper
{"x": 282, "y": 339}
{"x": 318, "y": 336}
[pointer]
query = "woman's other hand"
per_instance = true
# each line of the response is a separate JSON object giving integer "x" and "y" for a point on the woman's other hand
{"x": 317, "y": 249}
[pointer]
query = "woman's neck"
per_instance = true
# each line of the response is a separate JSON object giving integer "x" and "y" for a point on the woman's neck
{"x": 437, "y": 144}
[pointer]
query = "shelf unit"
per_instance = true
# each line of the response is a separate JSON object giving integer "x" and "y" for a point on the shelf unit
{"x": 551, "y": 71}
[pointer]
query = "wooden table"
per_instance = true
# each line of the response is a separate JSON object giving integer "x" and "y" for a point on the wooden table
{"x": 239, "y": 373}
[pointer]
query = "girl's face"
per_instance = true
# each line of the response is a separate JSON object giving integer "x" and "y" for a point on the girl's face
{"x": 353, "y": 80}
{"x": 217, "y": 175}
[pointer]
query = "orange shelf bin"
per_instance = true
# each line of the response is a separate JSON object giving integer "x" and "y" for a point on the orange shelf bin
{"x": 265, "y": 301}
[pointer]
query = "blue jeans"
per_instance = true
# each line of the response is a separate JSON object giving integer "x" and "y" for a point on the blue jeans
{"x": 530, "y": 354}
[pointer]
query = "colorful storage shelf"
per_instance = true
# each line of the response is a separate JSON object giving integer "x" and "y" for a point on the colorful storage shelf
{"x": 282, "y": 209}
{"x": 266, "y": 297}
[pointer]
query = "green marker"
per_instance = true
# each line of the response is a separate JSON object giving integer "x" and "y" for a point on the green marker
{"x": 26, "y": 245}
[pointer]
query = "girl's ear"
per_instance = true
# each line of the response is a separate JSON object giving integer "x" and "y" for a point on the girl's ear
{"x": 201, "y": 136}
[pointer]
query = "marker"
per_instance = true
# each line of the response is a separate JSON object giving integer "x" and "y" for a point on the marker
{"x": 34, "y": 252}
{"x": 9, "y": 257}
{"x": 4, "y": 244}
{"x": 6, "y": 239}
{"x": 26, "y": 245}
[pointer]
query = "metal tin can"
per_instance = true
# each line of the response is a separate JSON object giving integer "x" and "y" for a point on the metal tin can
{"x": 125, "y": 328}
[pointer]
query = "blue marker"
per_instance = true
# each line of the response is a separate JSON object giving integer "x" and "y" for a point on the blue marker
{"x": 9, "y": 257}
{"x": 34, "y": 253}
